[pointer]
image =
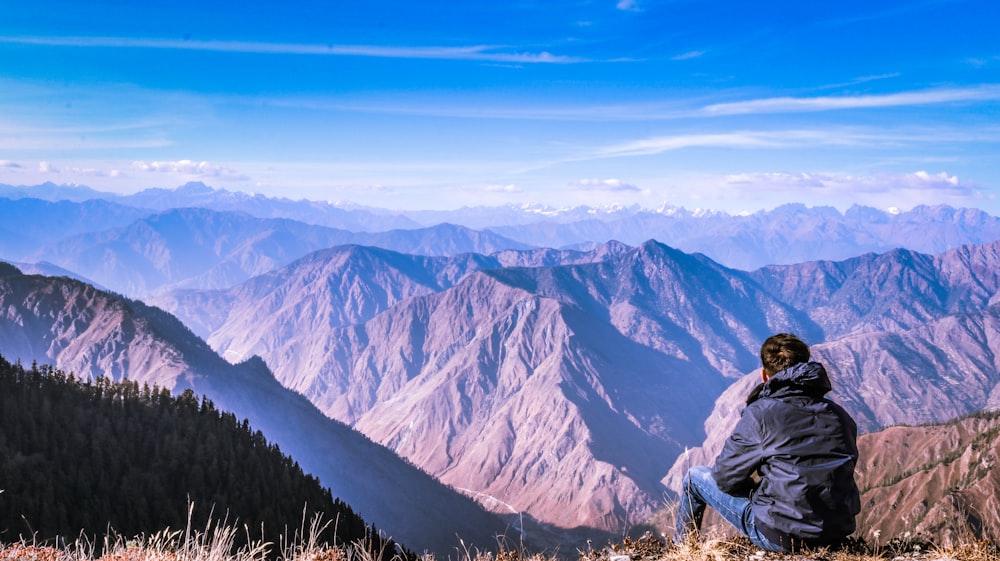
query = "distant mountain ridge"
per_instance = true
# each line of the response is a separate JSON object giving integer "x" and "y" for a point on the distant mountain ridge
{"x": 787, "y": 234}
{"x": 26, "y": 224}
{"x": 200, "y": 248}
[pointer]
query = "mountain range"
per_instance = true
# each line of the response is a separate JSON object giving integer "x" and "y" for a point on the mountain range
{"x": 787, "y": 234}
{"x": 570, "y": 384}
{"x": 201, "y": 248}
{"x": 593, "y": 376}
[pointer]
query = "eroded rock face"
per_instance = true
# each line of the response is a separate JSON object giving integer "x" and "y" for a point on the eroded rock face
{"x": 565, "y": 391}
{"x": 939, "y": 480}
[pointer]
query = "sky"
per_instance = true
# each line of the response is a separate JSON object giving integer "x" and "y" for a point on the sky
{"x": 736, "y": 106}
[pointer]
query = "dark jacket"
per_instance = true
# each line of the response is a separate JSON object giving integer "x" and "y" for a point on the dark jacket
{"x": 803, "y": 447}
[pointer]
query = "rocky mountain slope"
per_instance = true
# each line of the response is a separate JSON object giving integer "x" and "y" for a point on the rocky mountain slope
{"x": 564, "y": 391}
{"x": 88, "y": 332}
{"x": 894, "y": 291}
{"x": 506, "y": 379}
{"x": 938, "y": 480}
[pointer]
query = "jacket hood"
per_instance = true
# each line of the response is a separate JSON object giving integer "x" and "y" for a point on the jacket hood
{"x": 807, "y": 378}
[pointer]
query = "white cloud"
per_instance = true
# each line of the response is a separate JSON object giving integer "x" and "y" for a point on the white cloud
{"x": 784, "y": 139}
{"x": 10, "y": 164}
{"x": 94, "y": 172}
{"x": 689, "y": 55}
{"x": 46, "y": 167}
{"x": 880, "y": 189}
{"x": 614, "y": 185}
{"x": 829, "y": 103}
{"x": 509, "y": 188}
{"x": 876, "y": 183}
{"x": 628, "y": 5}
{"x": 776, "y": 180}
{"x": 660, "y": 144}
{"x": 980, "y": 62}
{"x": 472, "y": 52}
{"x": 861, "y": 80}
{"x": 190, "y": 167}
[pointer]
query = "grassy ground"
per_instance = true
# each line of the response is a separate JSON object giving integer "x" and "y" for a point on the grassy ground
{"x": 217, "y": 545}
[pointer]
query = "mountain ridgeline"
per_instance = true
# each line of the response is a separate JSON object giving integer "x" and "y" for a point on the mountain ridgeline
{"x": 88, "y": 457}
{"x": 127, "y": 226}
{"x": 568, "y": 390}
{"x": 565, "y": 389}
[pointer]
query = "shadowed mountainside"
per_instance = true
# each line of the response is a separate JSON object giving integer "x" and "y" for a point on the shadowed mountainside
{"x": 100, "y": 459}
{"x": 89, "y": 332}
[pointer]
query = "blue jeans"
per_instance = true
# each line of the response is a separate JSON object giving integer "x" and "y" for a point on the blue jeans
{"x": 700, "y": 490}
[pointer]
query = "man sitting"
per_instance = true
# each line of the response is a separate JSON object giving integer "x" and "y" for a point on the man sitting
{"x": 785, "y": 477}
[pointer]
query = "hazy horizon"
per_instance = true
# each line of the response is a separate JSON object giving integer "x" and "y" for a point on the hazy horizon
{"x": 717, "y": 105}
{"x": 661, "y": 206}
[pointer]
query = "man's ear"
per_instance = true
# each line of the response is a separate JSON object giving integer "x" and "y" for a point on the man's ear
{"x": 763, "y": 375}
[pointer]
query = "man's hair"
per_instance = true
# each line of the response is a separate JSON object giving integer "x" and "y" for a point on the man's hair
{"x": 782, "y": 351}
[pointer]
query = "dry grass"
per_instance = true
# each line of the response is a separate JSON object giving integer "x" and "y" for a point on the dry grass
{"x": 216, "y": 544}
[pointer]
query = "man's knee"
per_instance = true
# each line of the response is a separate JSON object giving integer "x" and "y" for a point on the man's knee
{"x": 697, "y": 474}
{"x": 694, "y": 477}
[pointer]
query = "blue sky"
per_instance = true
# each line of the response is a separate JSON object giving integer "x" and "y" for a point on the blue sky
{"x": 738, "y": 106}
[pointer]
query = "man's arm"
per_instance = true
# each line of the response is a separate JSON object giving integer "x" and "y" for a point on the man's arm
{"x": 740, "y": 457}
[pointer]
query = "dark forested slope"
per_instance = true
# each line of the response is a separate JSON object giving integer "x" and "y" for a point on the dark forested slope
{"x": 92, "y": 456}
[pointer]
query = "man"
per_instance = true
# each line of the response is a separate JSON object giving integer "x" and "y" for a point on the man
{"x": 785, "y": 477}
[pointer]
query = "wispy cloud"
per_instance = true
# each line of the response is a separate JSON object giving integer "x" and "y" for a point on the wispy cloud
{"x": 492, "y": 53}
{"x": 689, "y": 55}
{"x": 843, "y": 137}
{"x": 190, "y": 167}
{"x": 860, "y": 80}
{"x": 612, "y": 185}
{"x": 506, "y": 188}
{"x": 829, "y": 103}
{"x": 628, "y": 5}
{"x": 45, "y": 167}
{"x": 660, "y": 144}
{"x": 647, "y": 110}
{"x": 930, "y": 186}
